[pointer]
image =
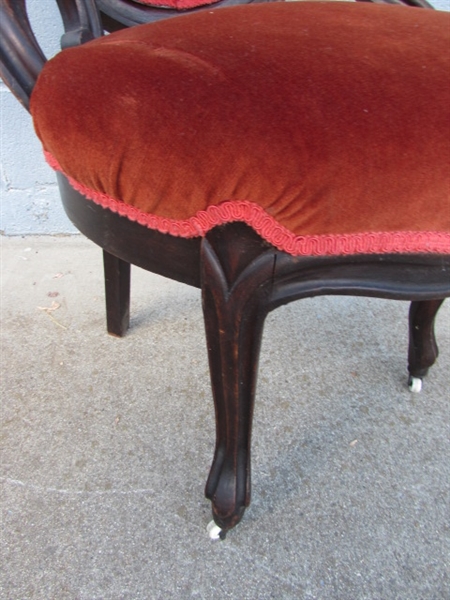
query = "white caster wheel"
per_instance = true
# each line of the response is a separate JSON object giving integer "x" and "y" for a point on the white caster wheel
{"x": 214, "y": 531}
{"x": 415, "y": 384}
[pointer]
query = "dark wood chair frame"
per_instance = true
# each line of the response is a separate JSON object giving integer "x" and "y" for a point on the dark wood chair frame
{"x": 242, "y": 277}
{"x": 118, "y": 14}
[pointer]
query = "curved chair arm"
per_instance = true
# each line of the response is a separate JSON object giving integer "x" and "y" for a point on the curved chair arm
{"x": 21, "y": 58}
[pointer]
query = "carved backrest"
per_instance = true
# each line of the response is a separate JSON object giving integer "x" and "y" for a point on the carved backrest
{"x": 117, "y": 14}
{"x": 21, "y": 58}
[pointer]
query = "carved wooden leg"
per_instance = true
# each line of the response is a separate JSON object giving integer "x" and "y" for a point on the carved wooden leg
{"x": 234, "y": 312}
{"x": 423, "y": 349}
{"x": 117, "y": 293}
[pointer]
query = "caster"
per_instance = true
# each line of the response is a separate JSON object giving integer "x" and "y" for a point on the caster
{"x": 414, "y": 384}
{"x": 215, "y": 532}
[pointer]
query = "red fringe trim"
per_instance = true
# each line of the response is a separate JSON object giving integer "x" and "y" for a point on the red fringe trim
{"x": 406, "y": 242}
{"x": 175, "y": 4}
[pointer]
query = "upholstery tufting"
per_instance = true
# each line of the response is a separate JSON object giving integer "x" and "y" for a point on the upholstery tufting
{"x": 325, "y": 126}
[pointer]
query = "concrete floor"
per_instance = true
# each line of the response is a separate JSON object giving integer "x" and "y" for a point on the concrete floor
{"x": 106, "y": 445}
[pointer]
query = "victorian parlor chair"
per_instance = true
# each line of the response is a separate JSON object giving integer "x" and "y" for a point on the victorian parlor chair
{"x": 262, "y": 153}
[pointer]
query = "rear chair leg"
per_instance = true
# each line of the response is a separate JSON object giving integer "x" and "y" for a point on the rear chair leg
{"x": 117, "y": 294}
{"x": 423, "y": 349}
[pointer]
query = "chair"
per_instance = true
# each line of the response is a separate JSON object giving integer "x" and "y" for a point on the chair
{"x": 262, "y": 153}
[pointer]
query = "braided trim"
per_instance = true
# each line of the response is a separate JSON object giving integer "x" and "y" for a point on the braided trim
{"x": 386, "y": 242}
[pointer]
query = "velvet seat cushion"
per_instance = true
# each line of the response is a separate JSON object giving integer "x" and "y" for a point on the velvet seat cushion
{"x": 324, "y": 126}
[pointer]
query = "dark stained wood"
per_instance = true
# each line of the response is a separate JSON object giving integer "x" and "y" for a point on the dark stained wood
{"x": 21, "y": 58}
{"x": 236, "y": 268}
{"x": 117, "y": 294}
{"x": 243, "y": 278}
{"x": 391, "y": 276}
{"x": 423, "y": 349}
{"x": 173, "y": 257}
{"x": 118, "y": 14}
{"x": 417, "y": 3}
{"x": 81, "y": 22}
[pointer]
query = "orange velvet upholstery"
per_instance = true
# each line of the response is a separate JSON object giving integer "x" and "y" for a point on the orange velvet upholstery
{"x": 325, "y": 126}
{"x": 177, "y": 4}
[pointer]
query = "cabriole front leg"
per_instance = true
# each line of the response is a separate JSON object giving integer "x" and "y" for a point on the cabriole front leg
{"x": 233, "y": 341}
{"x": 234, "y": 315}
